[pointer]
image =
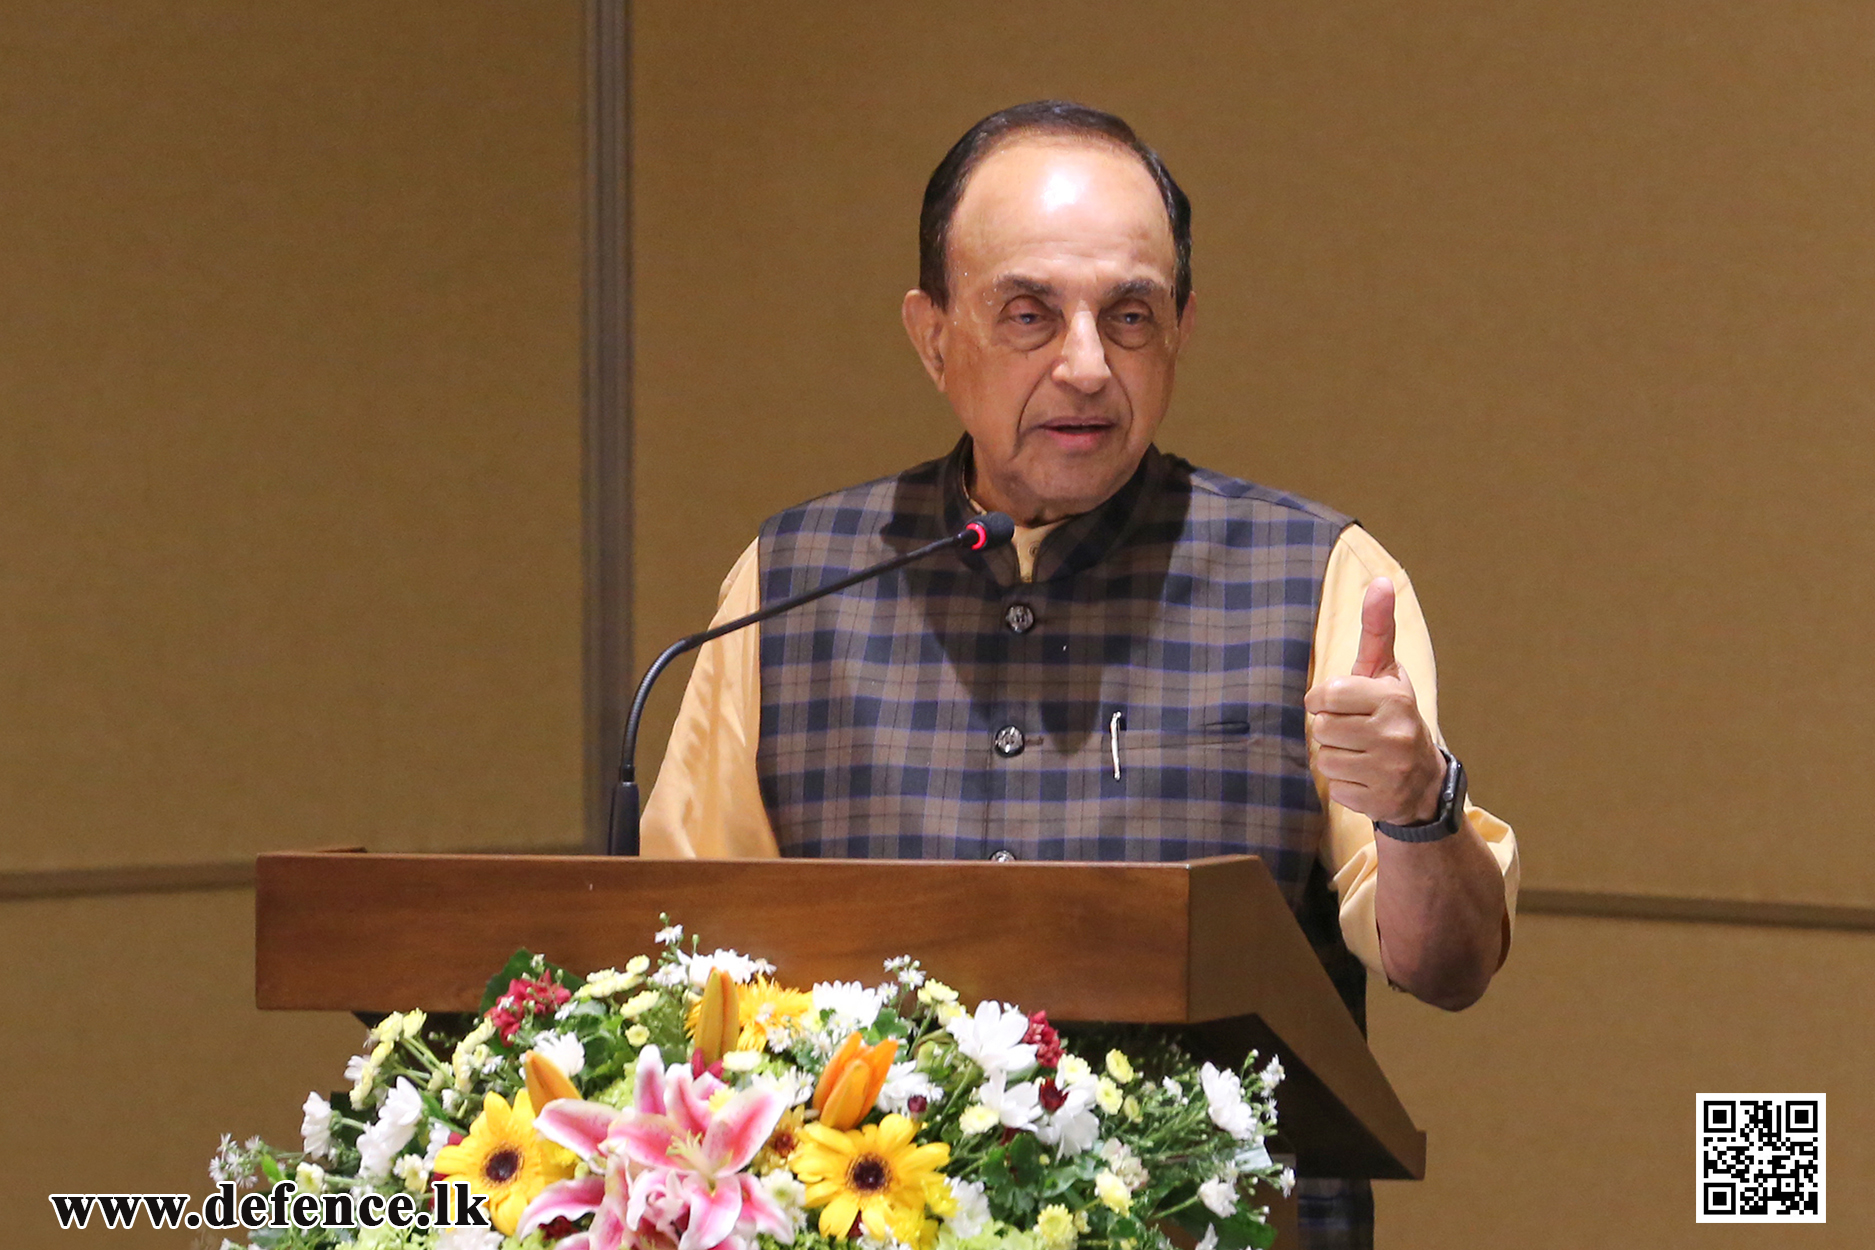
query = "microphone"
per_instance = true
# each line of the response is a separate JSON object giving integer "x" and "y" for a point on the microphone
{"x": 992, "y": 529}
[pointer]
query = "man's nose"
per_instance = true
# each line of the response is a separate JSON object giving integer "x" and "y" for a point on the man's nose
{"x": 1083, "y": 363}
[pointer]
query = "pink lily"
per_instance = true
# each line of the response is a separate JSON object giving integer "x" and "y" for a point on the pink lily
{"x": 668, "y": 1170}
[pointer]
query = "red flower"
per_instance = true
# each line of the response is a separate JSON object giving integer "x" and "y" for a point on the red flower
{"x": 917, "y": 1104}
{"x": 526, "y": 996}
{"x": 540, "y": 993}
{"x": 1046, "y": 1041}
{"x": 557, "y": 1227}
{"x": 504, "y": 1020}
{"x": 1051, "y": 1095}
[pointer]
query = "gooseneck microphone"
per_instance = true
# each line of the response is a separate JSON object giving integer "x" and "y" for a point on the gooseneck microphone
{"x": 992, "y": 529}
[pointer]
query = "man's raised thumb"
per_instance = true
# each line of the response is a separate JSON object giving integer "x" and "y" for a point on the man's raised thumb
{"x": 1375, "y": 658}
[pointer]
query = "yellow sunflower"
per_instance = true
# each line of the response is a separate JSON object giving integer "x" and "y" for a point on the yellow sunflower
{"x": 504, "y": 1158}
{"x": 760, "y": 1005}
{"x": 873, "y": 1174}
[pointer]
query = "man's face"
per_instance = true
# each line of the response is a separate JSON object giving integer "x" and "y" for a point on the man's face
{"x": 1059, "y": 346}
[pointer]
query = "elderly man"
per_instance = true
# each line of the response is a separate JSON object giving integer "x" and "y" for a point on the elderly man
{"x": 1167, "y": 663}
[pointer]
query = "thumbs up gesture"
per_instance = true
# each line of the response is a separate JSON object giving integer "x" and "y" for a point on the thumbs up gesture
{"x": 1373, "y": 746}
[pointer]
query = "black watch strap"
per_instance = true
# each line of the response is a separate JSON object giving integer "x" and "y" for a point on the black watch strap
{"x": 1445, "y": 822}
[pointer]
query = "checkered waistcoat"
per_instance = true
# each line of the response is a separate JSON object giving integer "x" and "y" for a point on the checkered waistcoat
{"x": 951, "y": 711}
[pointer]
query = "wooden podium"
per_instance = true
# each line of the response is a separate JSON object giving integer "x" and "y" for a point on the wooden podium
{"x": 1208, "y": 944}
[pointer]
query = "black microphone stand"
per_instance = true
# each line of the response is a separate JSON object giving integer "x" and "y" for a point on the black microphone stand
{"x": 990, "y": 530}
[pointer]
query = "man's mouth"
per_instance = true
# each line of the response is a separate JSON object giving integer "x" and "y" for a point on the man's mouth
{"x": 1078, "y": 433}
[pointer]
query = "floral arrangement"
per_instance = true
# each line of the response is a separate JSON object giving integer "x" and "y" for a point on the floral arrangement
{"x": 699, "y": 1104}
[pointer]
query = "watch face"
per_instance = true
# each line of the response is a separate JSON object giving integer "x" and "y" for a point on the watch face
{"x": 1454, "y": 794}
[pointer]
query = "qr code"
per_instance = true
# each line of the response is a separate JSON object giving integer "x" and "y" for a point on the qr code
{"x": 1761, "y": 1159}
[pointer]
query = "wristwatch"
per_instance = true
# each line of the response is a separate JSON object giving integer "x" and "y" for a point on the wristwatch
{"x": 1447, "y": 820}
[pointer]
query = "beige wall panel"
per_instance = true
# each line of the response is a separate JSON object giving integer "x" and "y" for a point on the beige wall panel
{"x": 1560, "y": 1109}
{"x": 289, "y": 428}
{"x": 1571, "y": 304}
{"x": 132, "y": 1044}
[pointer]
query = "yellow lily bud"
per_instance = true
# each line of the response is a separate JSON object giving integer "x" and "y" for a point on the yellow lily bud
{"x": 545, "y": 1081}
{"x": 719, "y": 1022}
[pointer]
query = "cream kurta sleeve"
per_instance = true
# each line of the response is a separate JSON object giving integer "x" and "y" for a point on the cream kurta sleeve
{"x": 708, "y": 803}
{"x": 1348, "y": 843}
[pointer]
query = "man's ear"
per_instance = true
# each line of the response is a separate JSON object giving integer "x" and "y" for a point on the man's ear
{"x": 1188, "y": 320}
{"x": 924, "y": 325}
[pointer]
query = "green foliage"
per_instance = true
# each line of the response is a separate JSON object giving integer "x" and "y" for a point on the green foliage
{"x": 1234, "y": 1232}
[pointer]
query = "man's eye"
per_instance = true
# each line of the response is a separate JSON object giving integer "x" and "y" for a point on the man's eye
{"x": 1130, "y": 327}
{"x": 1027, "y": 324}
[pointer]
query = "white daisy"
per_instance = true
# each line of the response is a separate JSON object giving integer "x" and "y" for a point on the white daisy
{"x": 1124, "y": 1163}
{"x": 1223, "y": 1091}
{"x": 439, "y": 1137}
{"x": 973, "y": 1208}
{"x": 1219, "y": 1194}
{"x": 397, "y": 1120}
{"x": 1072, "y": 1127}
{"x": 227, "y": 1165}
{"x": 315, "y": 1127}
{"x": 741, "y": 968}
{"x": 789, "y": 1194}
{"x": 563, "y": 1050}
{"x": 903, "y": 1082}
{"x": 791, "y": 1085}
{"x": 993, "y": 1038}
{"x": 854, "y": 1006}
{"x": 1014, "y": 1106}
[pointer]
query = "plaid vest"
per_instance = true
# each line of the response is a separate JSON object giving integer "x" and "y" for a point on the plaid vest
{"x": 1140, "y": 699}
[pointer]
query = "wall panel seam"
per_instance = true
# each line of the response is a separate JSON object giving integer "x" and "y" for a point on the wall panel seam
{"x": 21, "y": 885}
{"x": 606, "y": 401}
{"x": 1603, "y": 905}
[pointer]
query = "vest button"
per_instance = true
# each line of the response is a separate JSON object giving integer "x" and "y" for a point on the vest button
{"x": 1003, "y": 856}
{"x": 1008, "y": 741}
{"x": 1020, "y": 618}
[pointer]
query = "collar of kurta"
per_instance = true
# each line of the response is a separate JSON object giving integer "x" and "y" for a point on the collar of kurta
{"x": 1076, "y": 544}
